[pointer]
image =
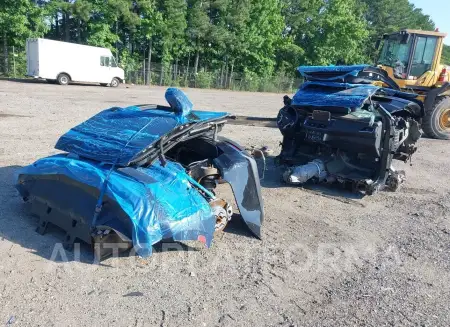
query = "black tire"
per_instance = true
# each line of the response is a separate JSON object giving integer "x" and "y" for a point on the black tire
{"x": 433, "y": 123}
{"x": 114, "y": 82}
{"x": 63, "y": 79}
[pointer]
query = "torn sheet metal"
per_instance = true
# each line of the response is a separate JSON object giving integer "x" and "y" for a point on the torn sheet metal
{"x": 106, "y": 136}
{"x": 160, "y": 202}
{"x": 340, "y": 127}
{"x": 320, "y": 94}
{"x": 330, "y": 73}
{"x": 143, "y": 174}
{"x": 239, "y": 169}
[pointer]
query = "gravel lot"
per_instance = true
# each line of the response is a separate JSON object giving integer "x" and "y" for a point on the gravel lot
{"x": 327, "y": 258}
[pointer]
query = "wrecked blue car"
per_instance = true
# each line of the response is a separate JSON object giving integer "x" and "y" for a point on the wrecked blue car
{"x": 137, "y": 175}
{"x": 343, "y": 127}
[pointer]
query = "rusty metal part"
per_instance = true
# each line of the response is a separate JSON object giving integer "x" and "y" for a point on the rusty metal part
{"x": 223, "y": 212}
{"x": 202, "y": 170}
{"x": 208, "y": 171}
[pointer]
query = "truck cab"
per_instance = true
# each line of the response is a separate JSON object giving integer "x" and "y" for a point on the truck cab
{"x": 66, "y": 62}
{"x": 109, "y": 70}
{"x": 412, "y": 58}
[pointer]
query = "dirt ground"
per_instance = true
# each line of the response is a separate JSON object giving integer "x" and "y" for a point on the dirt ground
{"x": 327, "y": 258}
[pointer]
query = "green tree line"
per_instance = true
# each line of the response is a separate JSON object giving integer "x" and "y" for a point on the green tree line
{"x": 253, "y": 37}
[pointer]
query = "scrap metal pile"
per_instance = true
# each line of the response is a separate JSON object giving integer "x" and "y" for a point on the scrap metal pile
{"x": 340, "y": 127}
{"x": 135, "y": 176}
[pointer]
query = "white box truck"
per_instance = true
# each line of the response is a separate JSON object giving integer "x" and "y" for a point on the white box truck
{"x": 65, "y": 62}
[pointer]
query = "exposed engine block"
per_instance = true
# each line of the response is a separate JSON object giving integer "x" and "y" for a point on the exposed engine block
{"x": 348, "y": 134}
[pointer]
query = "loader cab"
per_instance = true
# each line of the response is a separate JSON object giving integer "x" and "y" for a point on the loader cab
{"x": 412, "y": 57}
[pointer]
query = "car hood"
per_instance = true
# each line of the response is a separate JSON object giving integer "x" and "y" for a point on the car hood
{"x": 330, "y": 94}
{"x": 356, "y": 74}
{"x": 348, "y": 87}
{"x": 120, "y": 135}
{"x": 330, "y": 73}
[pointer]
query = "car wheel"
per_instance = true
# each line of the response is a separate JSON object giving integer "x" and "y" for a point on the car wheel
{"x": 63, "y": 79}
{"x": 115, "y": 82}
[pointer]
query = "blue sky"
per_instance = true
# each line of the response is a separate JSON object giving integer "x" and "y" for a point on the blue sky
{"x": 439, "y": 11}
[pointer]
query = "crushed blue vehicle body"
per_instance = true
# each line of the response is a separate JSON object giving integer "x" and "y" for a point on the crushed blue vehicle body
{"x": 355, "y": 74}
{"x": 330, "y": 73}
{"x": 344, "y": 127}
{"x": 132, "y": 177}
{"x": 321, "y": 94}
{"x": 119, "y": 135}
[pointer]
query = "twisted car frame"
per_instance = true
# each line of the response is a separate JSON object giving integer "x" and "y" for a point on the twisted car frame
{"x": 343, "y": 126}
{"x": 137, "y": 175}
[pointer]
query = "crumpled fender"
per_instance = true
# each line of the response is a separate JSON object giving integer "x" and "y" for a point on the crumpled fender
{"x": 239, "y": 169}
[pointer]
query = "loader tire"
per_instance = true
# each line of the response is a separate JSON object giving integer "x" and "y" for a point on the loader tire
{"x": 436, "y": 123}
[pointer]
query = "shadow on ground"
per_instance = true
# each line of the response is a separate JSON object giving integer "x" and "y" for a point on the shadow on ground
{"x": 23, "y": 80}
{"x": 43, "y": 81}
{"x": 238, "y": 227}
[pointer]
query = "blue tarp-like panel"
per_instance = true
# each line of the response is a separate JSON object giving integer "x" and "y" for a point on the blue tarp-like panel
{"x": 328, "y": 94}
{"x": 178, "y": 101}
{"x": 396, "y": 93}
{"x": 343, "y": 69}
{"x": 338, "y": 72}
{"x": 163, "y": 203}
{"x": 116, "y": 135}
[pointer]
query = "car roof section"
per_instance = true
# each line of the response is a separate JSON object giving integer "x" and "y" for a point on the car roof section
{"x": 329, "y": 94}
{"x": 117, "y": 135}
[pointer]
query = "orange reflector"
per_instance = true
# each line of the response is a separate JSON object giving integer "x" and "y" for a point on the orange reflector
{"x": 202, "y": 239}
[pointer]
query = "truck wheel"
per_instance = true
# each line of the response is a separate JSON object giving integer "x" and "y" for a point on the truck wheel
{"x": 436, "y": 123}
{"x": 63, "y": 79}
{"x": 115, "y": 82}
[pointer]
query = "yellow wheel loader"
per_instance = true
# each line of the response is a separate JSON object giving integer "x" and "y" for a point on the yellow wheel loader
{"x": 412, "y": 58}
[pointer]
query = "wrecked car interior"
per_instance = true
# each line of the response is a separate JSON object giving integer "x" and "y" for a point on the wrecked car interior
{"x": 341, "y": 128}
{"x": 137, "y": 175}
